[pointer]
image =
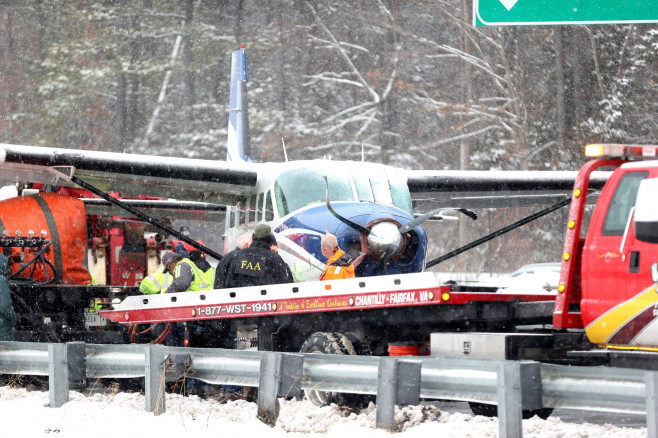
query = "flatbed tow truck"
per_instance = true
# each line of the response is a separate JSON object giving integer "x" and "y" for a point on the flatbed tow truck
{"x": 604, "y": 307}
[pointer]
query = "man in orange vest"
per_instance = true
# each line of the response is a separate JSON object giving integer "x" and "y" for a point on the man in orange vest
{"x": 339, "y": 264}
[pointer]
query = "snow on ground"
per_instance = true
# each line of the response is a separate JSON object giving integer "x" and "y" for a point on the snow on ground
{"x": 112, "y": 415}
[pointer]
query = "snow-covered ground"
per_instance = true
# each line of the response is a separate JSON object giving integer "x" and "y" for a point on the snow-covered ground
{"x": 26, "y": 414}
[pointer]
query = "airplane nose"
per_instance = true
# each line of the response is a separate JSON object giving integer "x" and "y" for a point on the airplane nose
{"x": 385, "y": 241}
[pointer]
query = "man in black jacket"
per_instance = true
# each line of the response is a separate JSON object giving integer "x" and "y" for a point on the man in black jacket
{"x": 244, "y": 241}
{"x": 258, "y": 264}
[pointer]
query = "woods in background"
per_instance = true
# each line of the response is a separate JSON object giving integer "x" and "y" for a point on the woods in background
{"x": 410, "y": 83}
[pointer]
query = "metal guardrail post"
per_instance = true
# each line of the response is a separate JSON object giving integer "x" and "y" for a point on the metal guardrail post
{"x": 66, "y": 369}
{"x": 398, "y": 383}
{"x": 77, "y": 365}
{"x": 154, "y": 380}
{"x": 291, "y": 375}
{"x": 268, "y": 387}
{"x": 58, "y": 375}
{"x": 651, "y": 383}
{"x": 280, "y": 376}
{"x": 509, "y": 400}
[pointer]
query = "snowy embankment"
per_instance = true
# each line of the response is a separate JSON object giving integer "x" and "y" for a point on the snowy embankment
{"x": 122, "y": 415}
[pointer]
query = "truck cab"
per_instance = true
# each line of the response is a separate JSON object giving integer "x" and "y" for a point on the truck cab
{"x": 606, "y": 285}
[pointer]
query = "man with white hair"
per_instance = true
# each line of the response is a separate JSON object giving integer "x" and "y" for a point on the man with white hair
{"x": 339, "y": 264}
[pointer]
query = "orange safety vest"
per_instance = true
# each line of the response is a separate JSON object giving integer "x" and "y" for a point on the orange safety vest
{"x": 336, "y": 272}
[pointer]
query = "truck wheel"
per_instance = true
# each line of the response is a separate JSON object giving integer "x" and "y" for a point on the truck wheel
{"x": 492, "y": 411}
{"x": 328, "y": 343}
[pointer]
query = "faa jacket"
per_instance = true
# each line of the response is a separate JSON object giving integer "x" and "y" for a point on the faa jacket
{"x": 7, "y": 314}
{"x": 255, "y": 266}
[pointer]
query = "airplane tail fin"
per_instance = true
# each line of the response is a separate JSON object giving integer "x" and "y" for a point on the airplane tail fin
{"x": 239, "y": 144}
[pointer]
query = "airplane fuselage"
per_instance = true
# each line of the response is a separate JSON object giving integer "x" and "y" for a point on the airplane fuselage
{"x": 291, "y": 197}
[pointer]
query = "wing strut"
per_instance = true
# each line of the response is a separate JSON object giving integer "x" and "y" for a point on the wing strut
{"x": 145, "y": 217}
{"x": 497, "y": 233}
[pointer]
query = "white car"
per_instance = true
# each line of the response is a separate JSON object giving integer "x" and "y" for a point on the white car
{"x": 535, "y": 278}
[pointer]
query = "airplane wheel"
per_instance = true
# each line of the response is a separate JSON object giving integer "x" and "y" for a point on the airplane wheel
{"x": 492, "y": 411}
{"x": 328, "y": 343}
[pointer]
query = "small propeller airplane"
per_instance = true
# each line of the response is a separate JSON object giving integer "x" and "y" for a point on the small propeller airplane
{"x": 368, "y": 206}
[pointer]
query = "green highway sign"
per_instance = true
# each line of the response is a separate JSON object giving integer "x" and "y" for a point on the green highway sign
{"x": 544, "y": 12}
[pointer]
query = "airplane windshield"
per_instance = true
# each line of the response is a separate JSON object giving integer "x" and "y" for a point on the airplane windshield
{"x": 299, "y": 188}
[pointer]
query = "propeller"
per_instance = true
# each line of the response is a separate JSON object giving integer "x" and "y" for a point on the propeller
{"x": 420, "y": 219}
{"x": 385, "y": 239}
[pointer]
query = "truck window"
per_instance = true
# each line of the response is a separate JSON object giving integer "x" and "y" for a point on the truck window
{"x": 621, "y": 203}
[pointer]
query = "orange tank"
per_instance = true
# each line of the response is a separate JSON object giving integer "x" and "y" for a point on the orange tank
{"x": 65, "y": 221}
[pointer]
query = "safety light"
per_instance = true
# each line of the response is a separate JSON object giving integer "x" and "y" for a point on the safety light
{"x": 621, "y": 151}
{"x": 577, "y": 193}
{"x": 561, "y": 288}
{"x": 445, "y": 296}
{"x": 571, "y": 224}
{"x": 566, "y": 255}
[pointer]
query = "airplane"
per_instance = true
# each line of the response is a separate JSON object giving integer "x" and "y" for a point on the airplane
{"x": 370, "y": 207}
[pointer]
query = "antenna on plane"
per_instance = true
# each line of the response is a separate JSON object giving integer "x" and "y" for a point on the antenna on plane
{"x": 285, "y": 155}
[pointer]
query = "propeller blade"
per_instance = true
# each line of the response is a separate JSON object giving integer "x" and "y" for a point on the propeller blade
{"x": 349, "y": 223}
{"x": 420, "y": 219}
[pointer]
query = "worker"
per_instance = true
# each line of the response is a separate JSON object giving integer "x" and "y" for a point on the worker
{"x": 244, "y": 241}
{"x": 156, "y": 283}
{"x": 206, "y": 268}
{"x": 258, "y": 264}
{"x": 187, "y": 276}
{"x": 181, "y": 250}
{"x": 7, "y": 313}
{"x": 339, "y": 264}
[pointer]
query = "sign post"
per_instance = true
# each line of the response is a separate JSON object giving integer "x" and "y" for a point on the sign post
{"x": 550, "y": 12}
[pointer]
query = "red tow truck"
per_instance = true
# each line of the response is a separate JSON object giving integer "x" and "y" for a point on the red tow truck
{"x": 609, "y": 274}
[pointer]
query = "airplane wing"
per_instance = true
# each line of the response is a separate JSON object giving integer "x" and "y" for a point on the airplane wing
{"x": 186, "y": 179}
{"x": 490, "y": 189}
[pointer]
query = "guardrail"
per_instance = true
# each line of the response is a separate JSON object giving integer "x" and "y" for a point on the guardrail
{"x": 514, "y": 386}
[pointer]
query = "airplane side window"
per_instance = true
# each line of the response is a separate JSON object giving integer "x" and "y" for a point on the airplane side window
{"x": 242, "y": 209}
{"x": 231, "y": 217}
{"x": 259, "y": 207}
{"x": 252, "y": 209}
{"x": 621, "y": 203}
{"x": 280, "y": 198}
{"x": 269, "y": 213}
